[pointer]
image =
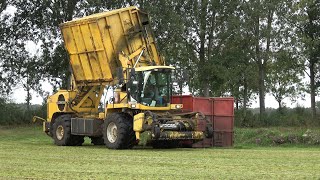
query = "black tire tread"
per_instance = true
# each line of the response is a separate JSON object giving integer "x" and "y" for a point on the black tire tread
{"x": 126, "y": 135}
{"x": 69, "y": 139}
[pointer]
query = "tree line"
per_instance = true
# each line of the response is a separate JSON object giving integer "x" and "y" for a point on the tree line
{"x": 245, "y": 49}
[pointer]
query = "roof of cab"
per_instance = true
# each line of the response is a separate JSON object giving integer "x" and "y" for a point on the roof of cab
{"x": 147, "y": 68}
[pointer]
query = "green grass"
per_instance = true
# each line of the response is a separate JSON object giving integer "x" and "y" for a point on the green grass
{"x": 27, "y": 153}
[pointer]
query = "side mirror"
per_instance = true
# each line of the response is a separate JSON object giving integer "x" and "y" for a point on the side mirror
{"x": 132, "y": 82}
{"x": 120, "y": 75}
{"x": 132, "y": 73}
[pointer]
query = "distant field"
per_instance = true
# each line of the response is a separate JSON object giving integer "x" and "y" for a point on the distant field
{"x": 27, "y": 153}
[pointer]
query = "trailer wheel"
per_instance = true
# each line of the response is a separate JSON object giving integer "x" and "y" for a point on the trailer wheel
{"x": 61, "y": 132}
{"x": 118, "y": 131}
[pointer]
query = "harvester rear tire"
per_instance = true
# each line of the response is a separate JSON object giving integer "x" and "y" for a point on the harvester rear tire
{"x": 61, "y": 132}
{"x": 118, "y": 131}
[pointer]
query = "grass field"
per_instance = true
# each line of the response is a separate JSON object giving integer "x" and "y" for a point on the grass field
{"x": 27, "y": 153}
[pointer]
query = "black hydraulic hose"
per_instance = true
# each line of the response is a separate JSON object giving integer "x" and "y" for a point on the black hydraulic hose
{"x": 153, "y": 115}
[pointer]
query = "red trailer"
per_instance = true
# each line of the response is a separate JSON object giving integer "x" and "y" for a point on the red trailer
{"x": 219, "y": 112}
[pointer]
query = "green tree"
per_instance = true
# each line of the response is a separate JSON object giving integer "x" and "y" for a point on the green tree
{"x": 265, "y": 24}
{"x": 226, "y": 47}
{"x": 205, "y": 30}
{"x": 284, "y": 77}
{"x": 18, "y": 68}
{"x": 12, "y": 46}
{"x": 310, "y": 27}
{"x": 4, "y": 26}
{"x": 241, "y": 74}
{"x": 169, "y": 29}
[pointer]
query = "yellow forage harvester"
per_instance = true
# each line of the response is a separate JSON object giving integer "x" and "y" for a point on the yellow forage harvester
{"x": 117, "y": 50}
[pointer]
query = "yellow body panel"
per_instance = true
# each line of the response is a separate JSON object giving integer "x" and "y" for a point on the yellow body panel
{"x": 117, "y": 106}
{"x": 95, "y": 42}
{"x": 138, "y": 122}
{"x": 52, "y": 103}
{"x": 143, "y": 107}
{"x": 87, "y": 105}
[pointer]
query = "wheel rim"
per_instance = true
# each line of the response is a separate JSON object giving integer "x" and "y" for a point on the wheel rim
{"x": 59, "y": 132}
{"x": 112, "y": 132}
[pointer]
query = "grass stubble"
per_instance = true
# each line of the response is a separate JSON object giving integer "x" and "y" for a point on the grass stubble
{"x": 27, "y": 153}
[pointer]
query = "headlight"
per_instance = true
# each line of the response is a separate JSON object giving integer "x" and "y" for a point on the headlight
{"x": 179, "y": 106}
{"x": 133, "y": 106}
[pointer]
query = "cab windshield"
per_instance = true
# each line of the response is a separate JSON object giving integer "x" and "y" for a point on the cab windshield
{"x": 151, "y": 88}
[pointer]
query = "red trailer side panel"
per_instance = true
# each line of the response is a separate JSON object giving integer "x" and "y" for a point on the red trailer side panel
{"x": 218, "y": 111}
{"x": 203, "y": 105}
{"x": 223, "y": 123}
{"x": 223, "y": 106}
{"x": 223, "y": 139}
{"x": 186, "y": 100}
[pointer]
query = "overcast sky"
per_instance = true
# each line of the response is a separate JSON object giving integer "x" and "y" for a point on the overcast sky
{"x": 19, "y": 96}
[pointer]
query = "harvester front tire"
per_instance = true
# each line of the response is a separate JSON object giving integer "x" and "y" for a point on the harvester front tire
{"x": 118, "y": 131}
{"x": 61, "y": 132}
